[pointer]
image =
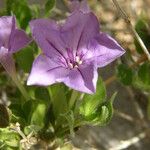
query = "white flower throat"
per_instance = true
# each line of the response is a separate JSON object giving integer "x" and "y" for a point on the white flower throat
{"x": 75, "y": 63}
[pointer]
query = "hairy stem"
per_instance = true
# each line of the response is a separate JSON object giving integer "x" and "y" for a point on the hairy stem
{"x": 8, "y": 63}
{"x": 20, "y": 86}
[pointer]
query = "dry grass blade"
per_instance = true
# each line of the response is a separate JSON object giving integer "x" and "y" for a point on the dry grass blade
{"x": 126, "y": 18}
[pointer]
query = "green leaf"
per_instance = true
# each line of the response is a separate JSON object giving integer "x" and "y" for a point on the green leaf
{"x": 144, "y": 73}
{"x": 25, "y": 58}
{"x": 42, "y": 94}
{"x": 59, "y": 105}
{"x": 28, "y": 109}
{"x": 38, "y": 115}
{"x": 58, "y": 97}
{"x": 140, "y": 85}
{"x": 125, "y": 74}
{"x": 17, "y": 114}
{"x": 21, "y": 10}
{"x": 48, "y": 6}
{"x": 91, "y": 102}
{"x": 4, "y": 116}
{"x": 142, "y": 29}
{"x": 9, "y": 138}
{"x": 35, "y": 111}
{"x": 31, "y": 128}
{"x": 70, "y": 121}
{"x": 104, "y": 113}
{"x": 35, "y": 10}
{"x": 141, "y": 79}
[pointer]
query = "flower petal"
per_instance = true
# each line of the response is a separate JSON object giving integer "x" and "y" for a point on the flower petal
{"x": 6, "y": 25}
{"x": 103, "y": 50}
{"x": 18, "y": 40}
{"x": 7, "y": 61}
{"x": 82, "y": 79}
{"x": 79, "y": 29}
{"x": 46, "y": 34}
{"x": 45, "y": 72}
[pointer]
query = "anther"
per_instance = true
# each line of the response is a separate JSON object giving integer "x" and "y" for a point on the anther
{"x": 78, "y": 60}
{"x": 70, "y": 65}
{"x": 76, "y": 66}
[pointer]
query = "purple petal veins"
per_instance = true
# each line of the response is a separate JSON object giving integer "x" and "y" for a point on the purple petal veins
{"x": 10, "y": 37}
{"x": 72, "y": 52}
{"x": 11, "y": 40}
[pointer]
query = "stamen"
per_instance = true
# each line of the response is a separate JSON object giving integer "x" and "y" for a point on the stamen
{"x": 77, "y": 59}
{"x": 80, "y": 62}
{"x": 76, "y": 66}
{"x": 70, "y": 65}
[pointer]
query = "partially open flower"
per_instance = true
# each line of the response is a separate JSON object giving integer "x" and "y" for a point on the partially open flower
{"x": 72, "y": 52}
{"x": 11, "y": 41}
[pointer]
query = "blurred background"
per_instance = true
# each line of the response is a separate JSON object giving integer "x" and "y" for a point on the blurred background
{"x": 129, "y": 128}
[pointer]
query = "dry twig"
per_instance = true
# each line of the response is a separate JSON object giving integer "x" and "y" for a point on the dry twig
{"x": 127, "y": 143}
{"x": 127, "y": 20}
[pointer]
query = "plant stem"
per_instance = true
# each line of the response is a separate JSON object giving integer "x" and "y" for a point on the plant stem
{"x": 127, "y": 20}
{"x": 8, "y": 63}
{"x": 20, "y": 87}
{"x": 73, "y": 98}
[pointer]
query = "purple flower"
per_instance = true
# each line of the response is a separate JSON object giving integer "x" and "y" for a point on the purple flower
{"x": 72, "y": 52}
{"x": 11, "y": 41}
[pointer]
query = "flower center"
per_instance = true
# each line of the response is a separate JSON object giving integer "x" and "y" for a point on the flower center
{"x": 75, "y": 63}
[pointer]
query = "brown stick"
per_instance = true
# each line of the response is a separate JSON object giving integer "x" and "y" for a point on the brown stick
{"x": 127, "y": 20}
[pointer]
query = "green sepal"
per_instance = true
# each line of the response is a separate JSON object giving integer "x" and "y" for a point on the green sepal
{"x": 103, "y": 114}
{"x": 91, "y": 102}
